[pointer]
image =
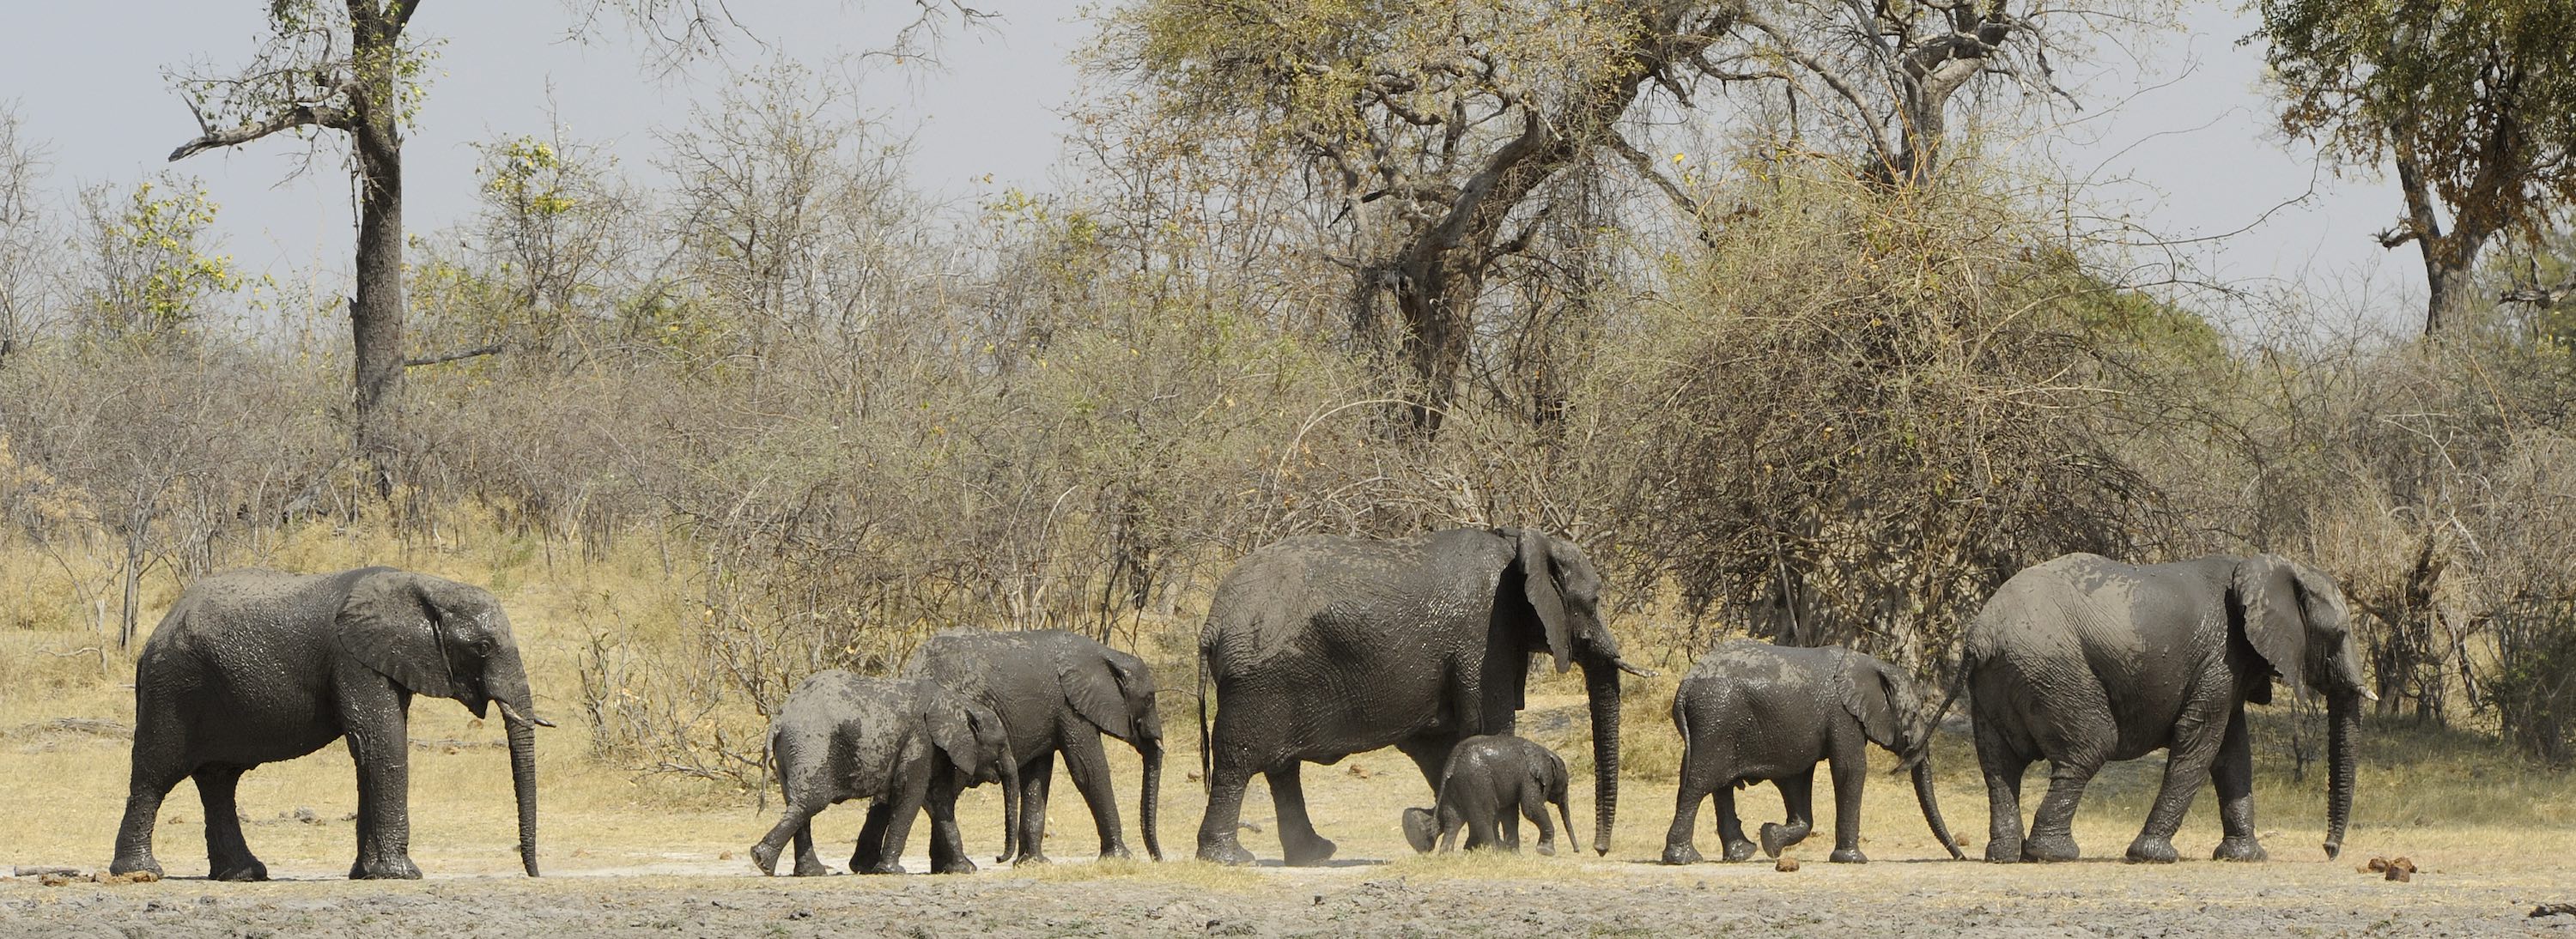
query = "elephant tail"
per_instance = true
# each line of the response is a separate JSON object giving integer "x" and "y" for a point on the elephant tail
{"x": 1205, "y": 763}
{"x": 1921, "y": 745}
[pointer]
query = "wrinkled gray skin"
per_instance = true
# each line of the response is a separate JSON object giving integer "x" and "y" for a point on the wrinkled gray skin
{"x": 1321, "y": 647}
{"x": 1057, "y": 691}
{"x": 1491, "y": 782}
{"x": 2083, "y": 660}
{"x": 1752, "y": 711}
{"x": 903, "y": 744}
{"x": 256, "y": 666}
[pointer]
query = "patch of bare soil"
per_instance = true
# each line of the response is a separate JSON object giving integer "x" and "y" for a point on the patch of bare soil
{"x": 1435, "y": 897}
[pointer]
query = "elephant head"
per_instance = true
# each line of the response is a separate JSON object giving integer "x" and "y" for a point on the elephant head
{"x": 1892, "y": 715}
{"x": 973, "y": 739}
{"x": 1564, "y": 595}
{"x": 2295, "y": 618}
{"x": 1119, "y": 699}
{"x": 447, "y": 640}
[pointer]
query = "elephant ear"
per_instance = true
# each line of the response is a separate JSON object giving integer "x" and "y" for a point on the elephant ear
{"x": 952, "y": 730}
{"x": 388, "y": 623}
{"x": 2263, "y": 597}
{"x": 1538, "y": 583}
{"x": 1871, "y": 694}
{"x": 1094, "y": 688}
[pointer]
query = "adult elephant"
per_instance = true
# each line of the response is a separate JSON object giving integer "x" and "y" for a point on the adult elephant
{"x": 256, "y": 666}
{"x": 2083, "y": 659}
{"x": 1321, "y": 647}
{"x": 1058, "y": 691}
{"x": 1752, "y": 711}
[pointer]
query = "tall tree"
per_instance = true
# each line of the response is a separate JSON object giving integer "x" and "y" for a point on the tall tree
{"x": 1436, "y": 123}
{"x": 347, "y": 70}
{"x": 2475, "y": 103}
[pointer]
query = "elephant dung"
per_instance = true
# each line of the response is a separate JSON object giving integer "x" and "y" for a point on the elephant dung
{"x": 1786, "y": 865}
{"x": 2401, "y": 870}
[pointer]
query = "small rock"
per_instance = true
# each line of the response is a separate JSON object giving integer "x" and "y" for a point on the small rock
{"x": 801, "y": 914}
{"x": 1786, "y": 865}
{"x": 304, "y": 813}
{"x": 724, "y": 855}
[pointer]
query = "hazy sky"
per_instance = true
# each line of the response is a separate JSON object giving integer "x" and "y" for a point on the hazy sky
{"x": 2181, "y": 140}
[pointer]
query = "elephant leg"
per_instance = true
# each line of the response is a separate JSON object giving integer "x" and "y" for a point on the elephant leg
{"x": 1534, "y": 808}
{"x": 1430, "y": 754}
{"x": 149, "y": 782}
{"x": 1299, "y": 845}
{"x": 228, "y": 856}
{"x": 794, "y": 822}
{"x": 947, "y": 845}
{"x": 1451, "y": 822}
{"x": 1227, "y": 774}
{"x": 1508, "y": 823}
{"x": 2233, "y": 775}
{"x": 1730, "y": 826}
{"x": 807, "y": 864}
{"x": 1678, "y": 848}
{"x": 1036, "y": 776}
{"x": 2187, "y": 764}
{"x": 2052, "y": 825}
{"x": 379, "y": 742}
{"x": 2003, "y": 769}
{"x": 1850, "y": 773}
{"x": 1089, "y": 766}
{"x": 873, "y": 856}
{"x": 1798, "y": 796}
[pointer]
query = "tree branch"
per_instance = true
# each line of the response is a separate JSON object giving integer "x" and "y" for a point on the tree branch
{"x": 301, "y": 115}
{"x": 457, "y": 355}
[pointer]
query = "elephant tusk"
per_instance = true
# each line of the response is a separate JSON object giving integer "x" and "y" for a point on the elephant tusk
{"x": 2369, "y": 695}
{"x": 513, "y": 714}
{"x": 1634, "y": 670}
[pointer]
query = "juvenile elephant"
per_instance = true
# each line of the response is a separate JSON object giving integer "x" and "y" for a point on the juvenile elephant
{"x": 1751, "y": 711}
{"x": 1321, "y": 647}
{"x": 1492, "y": 781}
{"x": 255, "y": 666}
{"x": 2082, "y": 660}
{"x": 903, "y": 745}
{"x": 1057, "y": 691}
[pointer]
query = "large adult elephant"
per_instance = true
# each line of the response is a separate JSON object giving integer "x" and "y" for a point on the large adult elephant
{"x": 256, "y": 666}
{"x": 2083, "y": 659}
{"x": 1058, "y": 691}
{"x": 1321, "y": 647}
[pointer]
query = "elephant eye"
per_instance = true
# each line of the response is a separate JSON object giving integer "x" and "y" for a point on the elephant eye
{"x": 483, "y": 646}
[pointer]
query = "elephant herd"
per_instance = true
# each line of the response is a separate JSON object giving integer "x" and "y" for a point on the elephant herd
{"x": 1316, "y": 648}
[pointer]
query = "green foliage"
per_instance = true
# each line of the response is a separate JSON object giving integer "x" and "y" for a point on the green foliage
{"x": 153, "y": 272}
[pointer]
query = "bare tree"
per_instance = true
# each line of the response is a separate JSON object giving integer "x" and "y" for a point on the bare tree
{"x": 26, "y": 245}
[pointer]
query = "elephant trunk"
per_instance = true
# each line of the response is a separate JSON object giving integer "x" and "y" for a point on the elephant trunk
{"x": 1601, "y": 683}
{"x": 2343, "y": 722}
{"x": 519, "y": 721}
{"x": 1010, "y": 803}
{"x": 1149, "y": 807}
{"x": 1565, "y": 813}
{"x": 1931, "y": 804}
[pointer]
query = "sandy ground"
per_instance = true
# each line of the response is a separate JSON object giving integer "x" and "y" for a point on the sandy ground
{"x": 1474, "y": 896}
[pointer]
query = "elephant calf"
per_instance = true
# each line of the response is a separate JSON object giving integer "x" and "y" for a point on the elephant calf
{"x": 1057, "y": 692}
{"x": 1753, "y": 711}
{"x": 1489, "y": 784}
{"x": 902, "y": 744}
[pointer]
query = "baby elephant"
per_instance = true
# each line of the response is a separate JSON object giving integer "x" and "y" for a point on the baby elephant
{"x": 1752, "y": 711}
{"x": 1490, "y": 783}
{"x": 902, "y": 744}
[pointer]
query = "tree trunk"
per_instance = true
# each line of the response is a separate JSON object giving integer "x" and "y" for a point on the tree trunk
{"x": 2446, "y": 303}
{"x": 376, "y": 312}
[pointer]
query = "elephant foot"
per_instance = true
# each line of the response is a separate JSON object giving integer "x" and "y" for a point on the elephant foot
{"x": 134, "y": 865}
{"x": 2000, "y": 851}
{"x": 1776, "y": 838}
{"x": 1115, "y": 851}
{"x": 2048, "y": 849}
{"x": 764, "y": 858}
{"x": 1546, "y": 849}
{"x": 1033, "y": 857}
{"x": 1739, "y": 849}
{"x": 2148, "y": 850}
{"x": 1226, "y": 852}
{"x": 245, "y": 870}
{"x": 954, "y": 866}
{"x": 2239, "y": 849}
{"x": 1681, "y": 853}
{"x": 1310, "y": 853}
{"x": 398, "y": 867}
{"x": 805, "y": 868}
{"x": 1419, "y": 830}
{"x": 881, "y": 867}
{"x": 1847, "y": 856}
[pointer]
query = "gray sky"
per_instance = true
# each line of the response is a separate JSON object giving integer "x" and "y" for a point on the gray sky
{"x": 2181, "y": 141}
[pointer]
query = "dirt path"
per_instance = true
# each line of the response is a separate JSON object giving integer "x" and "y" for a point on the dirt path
{"x": 1427, "y": 897}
